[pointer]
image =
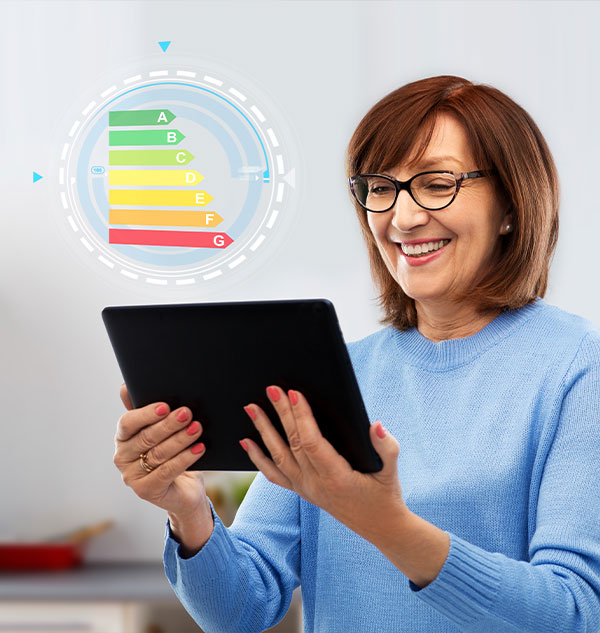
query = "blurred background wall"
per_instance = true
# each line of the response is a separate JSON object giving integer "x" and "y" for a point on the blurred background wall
{"x": 325, "y": 64}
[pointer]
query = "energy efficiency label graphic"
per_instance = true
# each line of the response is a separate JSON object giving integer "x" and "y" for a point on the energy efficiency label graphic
{"x": 176, "y": 176}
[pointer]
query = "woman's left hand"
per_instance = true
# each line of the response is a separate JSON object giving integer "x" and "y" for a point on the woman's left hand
{"x": 367, "y": 503}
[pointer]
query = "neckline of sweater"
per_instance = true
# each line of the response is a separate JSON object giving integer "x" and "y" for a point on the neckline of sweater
{"x": 452, "y": 352}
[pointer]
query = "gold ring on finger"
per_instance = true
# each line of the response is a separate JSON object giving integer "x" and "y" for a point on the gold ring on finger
{"x": 145, "y": 465}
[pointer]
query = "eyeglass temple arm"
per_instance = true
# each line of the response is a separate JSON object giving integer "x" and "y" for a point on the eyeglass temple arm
{"x": 477, "y": 174}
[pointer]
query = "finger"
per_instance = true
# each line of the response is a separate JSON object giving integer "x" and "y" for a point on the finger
{"x": 266, "y": 465}
{"x": 162, "y": 451}
{"x": 388, "y": 449}
{"x": 278, "y": 449}
{"x": 151, "y": 436}
{"x": 151, "y": 486}
{"x": 125, "y": 397}
{"x": 282, "y": 405}
{"x": 133, "y": 421}
{"x": 318, "y": 450}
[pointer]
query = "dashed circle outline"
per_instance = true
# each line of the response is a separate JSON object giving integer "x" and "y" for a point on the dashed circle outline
{"x": 185, "y": 277}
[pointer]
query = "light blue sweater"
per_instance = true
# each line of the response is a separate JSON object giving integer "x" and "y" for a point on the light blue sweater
{"x": 499, "y": 438}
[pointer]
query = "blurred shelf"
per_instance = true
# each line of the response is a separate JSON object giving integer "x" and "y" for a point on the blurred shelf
{"x": 104, "y": 598}
{"x": 90, "y": 581}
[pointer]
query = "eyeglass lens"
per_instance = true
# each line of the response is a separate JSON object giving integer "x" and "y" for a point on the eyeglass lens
{"x": 433, "y": 191}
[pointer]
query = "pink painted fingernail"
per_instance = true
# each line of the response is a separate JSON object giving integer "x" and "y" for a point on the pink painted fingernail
{"x": 197, "y": 448}
{"x": 293, "y": 396}
{"x": 193, "y": 427}
{"x": 244, "y": 445}
{"x": 250, "y": 412}
{"x": 182, "y": 416}
{"x": 380, "y": 430}
{"x": 273, "y": 393}
{"x": 161, "y": 409}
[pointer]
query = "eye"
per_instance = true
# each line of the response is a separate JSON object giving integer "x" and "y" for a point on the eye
{"x": 380, "y": 189}
{"x": 439, "y": 186}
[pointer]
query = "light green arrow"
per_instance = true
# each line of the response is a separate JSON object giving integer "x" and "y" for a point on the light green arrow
{"x": 145, "y": 137}
{"x": 140, "y": 117}
{"x": 150, "y": 157}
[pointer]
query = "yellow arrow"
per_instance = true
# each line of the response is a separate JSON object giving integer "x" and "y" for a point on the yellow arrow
{"x": 154, "y": 217}
{"x": 159, "y": 198}
{"x": 150, "y": 177}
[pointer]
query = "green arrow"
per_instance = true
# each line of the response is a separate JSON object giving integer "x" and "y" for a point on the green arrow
{"x": 150, "y": 157}
{"x": 145, "y": 137}
{"x": 140, "y": 117}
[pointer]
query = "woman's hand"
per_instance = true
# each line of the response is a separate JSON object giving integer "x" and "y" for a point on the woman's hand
{"x": 311, "y": 467}
{"x": 165, "y": 438}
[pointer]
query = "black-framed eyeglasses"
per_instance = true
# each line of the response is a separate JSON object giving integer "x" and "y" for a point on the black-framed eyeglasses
{"x": 432, "y": 190}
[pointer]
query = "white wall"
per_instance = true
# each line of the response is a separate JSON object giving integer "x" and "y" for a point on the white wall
{"x": 326, "y": 64}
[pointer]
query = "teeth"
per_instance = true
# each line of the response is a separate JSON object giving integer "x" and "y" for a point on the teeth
{"x": 427, "y": 247}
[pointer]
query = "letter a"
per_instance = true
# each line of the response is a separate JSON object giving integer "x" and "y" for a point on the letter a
{"x": 162, "y": 117}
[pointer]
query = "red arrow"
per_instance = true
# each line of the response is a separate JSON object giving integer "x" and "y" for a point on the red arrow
{"x": 169, "y": 238}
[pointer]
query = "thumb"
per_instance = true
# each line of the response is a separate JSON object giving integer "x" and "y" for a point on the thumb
{"x": 125, "y": 399}
{"x": 387, "y": 448}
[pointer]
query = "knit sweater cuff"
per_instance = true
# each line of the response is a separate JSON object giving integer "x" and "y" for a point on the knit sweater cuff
{"x": 214, "y": 556}
{"x": 467, "y": 585}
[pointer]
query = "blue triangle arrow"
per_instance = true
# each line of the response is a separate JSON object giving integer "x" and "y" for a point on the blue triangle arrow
{"x": 36, "y": 177}
{"x": 164, "y": 45}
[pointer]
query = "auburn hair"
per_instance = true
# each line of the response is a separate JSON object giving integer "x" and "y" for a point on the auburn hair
{"x": 502, "y": 136}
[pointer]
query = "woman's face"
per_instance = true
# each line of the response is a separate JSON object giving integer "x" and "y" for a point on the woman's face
{"x": 473, "y": 222}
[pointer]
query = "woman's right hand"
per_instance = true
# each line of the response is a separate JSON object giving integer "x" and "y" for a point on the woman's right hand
{"x": 165, "y": 438}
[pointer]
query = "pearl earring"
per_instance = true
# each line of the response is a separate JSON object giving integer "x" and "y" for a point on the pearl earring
{"x": 508, "y": 228}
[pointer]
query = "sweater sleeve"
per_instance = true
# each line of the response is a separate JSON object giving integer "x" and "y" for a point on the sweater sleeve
{"x": 244, "y": 576}
{"x": 558, "y": 589}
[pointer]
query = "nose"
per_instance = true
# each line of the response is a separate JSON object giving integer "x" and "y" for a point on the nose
{"x": 407, "y": 214}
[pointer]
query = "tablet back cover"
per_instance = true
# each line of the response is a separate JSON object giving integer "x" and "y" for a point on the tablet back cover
{"x": 216, "y": 358}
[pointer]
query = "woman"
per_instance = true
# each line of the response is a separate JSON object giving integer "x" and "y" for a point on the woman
{"x": 485, "y": 516}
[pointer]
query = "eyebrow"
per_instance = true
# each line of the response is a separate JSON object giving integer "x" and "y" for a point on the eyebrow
{"x": 432, "y": 160}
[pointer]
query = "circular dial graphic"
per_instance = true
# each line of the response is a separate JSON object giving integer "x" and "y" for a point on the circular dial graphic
{"x": 175, "y": 176}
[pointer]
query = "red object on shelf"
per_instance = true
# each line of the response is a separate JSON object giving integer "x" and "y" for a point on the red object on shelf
{"x": 40, "y": 556}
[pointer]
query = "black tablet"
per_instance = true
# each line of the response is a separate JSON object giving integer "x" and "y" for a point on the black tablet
{"x": 217, "y": 357}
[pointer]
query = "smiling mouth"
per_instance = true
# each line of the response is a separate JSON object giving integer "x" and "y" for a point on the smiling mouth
{"x": 413, "y": 255}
